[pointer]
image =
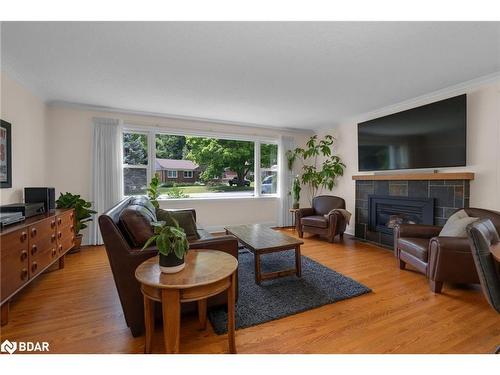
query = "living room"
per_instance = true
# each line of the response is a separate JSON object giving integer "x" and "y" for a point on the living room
{"x": 252, "y": 187}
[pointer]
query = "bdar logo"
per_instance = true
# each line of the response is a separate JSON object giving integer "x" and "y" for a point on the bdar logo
{"x": 8, "y": 347}
{"x": 24, "y": 346}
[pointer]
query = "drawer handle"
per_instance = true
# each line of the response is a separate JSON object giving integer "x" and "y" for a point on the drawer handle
{"x": 60, "y": 248}
{"x": 59, "y": 221}
{"x": 72, "y": 228}
{"x": 53, "y": 238}
{"x": 34, "y": 266}
{"x": 24, "y": 255}
{"x": 52, "y": 223}
{"x": 54, "y": 252}
{"x": 59, "y": 234}
{"x": 33, "y": 232}
{"x": 34, "y": 249}
{"x": 24, "y": 236}
{"x": 24, "y": 274}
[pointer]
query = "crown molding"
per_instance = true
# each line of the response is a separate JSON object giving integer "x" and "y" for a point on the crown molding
{"x": 167, "y": 116}
{"x": 458, "y": 89}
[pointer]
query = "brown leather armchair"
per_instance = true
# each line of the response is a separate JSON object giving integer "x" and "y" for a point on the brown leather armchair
{"x": 441, "y": 259}
{"x": 321, "y": 218}
{"x": 124, "y": 258}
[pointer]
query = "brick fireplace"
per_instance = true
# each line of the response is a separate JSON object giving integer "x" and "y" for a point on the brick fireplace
{"x": 381, "y": 203}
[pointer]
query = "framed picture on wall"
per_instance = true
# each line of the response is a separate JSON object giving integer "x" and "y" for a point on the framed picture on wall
{"x": 5, "y": 155}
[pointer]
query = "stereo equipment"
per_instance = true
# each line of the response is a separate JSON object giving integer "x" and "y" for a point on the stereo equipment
{"x": 26, "y": 209}
{"x": 47, "y": 195}
{"x": 8, "y": 218}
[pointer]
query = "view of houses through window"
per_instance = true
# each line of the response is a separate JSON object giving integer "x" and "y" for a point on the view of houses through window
{"x": 198, "y": 167}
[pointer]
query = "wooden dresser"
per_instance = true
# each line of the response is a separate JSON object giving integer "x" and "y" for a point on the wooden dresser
{"x": 30, "y": 247}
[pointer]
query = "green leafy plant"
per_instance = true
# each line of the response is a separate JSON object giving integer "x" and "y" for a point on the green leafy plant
{"x": 153, "y": 190}
{"x": 176, "y": 192}
{"x": 296, "y": 190}
{"x": 317, "y": 177}
{"x": 169, "y": 239}
{"x": 83, "y": 212}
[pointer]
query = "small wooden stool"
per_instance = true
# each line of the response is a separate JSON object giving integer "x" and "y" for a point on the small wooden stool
{"x": 207, "y": 273}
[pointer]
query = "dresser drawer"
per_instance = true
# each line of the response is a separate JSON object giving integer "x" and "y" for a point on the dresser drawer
{"x": 42, "y": 236}
{"x": 14, "y": 261}
{"x": 66, "y": 219}
{"x": 42, "y": 245}
{"x": 65, "y": 238}
{"x": 42, "y": 259}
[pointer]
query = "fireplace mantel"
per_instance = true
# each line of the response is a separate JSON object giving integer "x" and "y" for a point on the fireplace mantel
{"x": 415, "y": 176}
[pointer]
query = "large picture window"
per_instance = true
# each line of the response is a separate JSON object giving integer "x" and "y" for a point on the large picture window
{"x": 199, "y": 167}
{"x": 135, "y": 163}
{"x": 268, "y": 168}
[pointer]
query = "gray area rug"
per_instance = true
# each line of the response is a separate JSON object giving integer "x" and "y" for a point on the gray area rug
{"x": 275, "y": 299}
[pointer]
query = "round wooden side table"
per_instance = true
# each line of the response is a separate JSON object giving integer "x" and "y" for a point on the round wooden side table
{"x": 207, "y": 273}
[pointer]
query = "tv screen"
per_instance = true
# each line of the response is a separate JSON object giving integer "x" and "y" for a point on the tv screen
{"x": 430, "y": 136}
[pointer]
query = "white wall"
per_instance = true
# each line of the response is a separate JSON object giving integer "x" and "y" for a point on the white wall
{"x": 26, "y": 113}
{"x": 214, "y": 214}
{"x": 483, "y": 146}
{"x": 69, "y": 156}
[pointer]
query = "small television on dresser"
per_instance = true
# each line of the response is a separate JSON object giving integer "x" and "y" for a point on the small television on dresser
{"x": 430, "y": 136}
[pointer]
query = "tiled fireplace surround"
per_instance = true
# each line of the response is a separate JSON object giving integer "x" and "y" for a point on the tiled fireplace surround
{"x": 448, "y": 196}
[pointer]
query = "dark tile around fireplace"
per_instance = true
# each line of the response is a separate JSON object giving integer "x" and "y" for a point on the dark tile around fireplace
{"x": 449, "y": 195}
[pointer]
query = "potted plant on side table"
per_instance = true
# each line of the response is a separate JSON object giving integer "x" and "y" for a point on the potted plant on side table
{"x": 172, "y": 246}
{"x": 83, "y": 213}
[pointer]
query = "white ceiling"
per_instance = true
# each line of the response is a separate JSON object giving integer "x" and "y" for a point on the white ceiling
{"x": 287, "y": 74}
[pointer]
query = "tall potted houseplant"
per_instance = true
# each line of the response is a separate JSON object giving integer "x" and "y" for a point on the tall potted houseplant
{"x": 296, "y": 192}
{"x": 320, "y": 166}
{"x": 172, "y": 246}
{"x": 83, "y": 213}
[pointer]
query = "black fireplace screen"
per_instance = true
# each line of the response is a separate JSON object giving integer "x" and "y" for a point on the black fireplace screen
{"x": 386, "y": 211}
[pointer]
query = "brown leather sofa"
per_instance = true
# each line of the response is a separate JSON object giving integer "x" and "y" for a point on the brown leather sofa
{"x": 441, "y": 259}
{"x": 124, "y": 259}
{"x": 321, "y": 219}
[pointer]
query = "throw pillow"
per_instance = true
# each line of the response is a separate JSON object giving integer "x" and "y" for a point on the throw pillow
{"x": 184, "y": 218}
{"x": 456, "y": 225}
{"x": 136, "y": 222}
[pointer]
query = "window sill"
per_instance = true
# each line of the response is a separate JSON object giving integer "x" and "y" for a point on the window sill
{"x": 241, "y": 197}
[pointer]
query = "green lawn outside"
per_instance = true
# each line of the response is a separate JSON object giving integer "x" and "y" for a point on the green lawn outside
{"x": 193, "y": 189}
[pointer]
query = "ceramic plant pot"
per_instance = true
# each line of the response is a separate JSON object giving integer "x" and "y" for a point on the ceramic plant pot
{"x": 171, "y": 264}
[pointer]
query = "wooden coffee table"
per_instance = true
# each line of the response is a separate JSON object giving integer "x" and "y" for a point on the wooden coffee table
{"x": 207, "y": 273}
{"x": 262, "y": 240}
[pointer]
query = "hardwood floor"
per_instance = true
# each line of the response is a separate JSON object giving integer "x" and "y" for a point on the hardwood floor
{"x": 77, "y": 311}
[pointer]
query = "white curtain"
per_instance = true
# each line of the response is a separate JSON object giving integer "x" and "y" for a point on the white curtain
{"x": 285, "y": 183}
{"x": 107, "y": 173}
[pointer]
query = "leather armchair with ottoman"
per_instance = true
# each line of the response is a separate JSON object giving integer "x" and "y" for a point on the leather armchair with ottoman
{"x": 441, "y": 259}
{"x": 124, "y": 257}
{"x": 322, "y": 218}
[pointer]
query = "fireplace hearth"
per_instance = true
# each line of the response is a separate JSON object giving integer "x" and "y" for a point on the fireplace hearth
{"x": 386, "y": 211}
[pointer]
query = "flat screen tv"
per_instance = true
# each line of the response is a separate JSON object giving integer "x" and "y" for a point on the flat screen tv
{"x": 430, "y": 136}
